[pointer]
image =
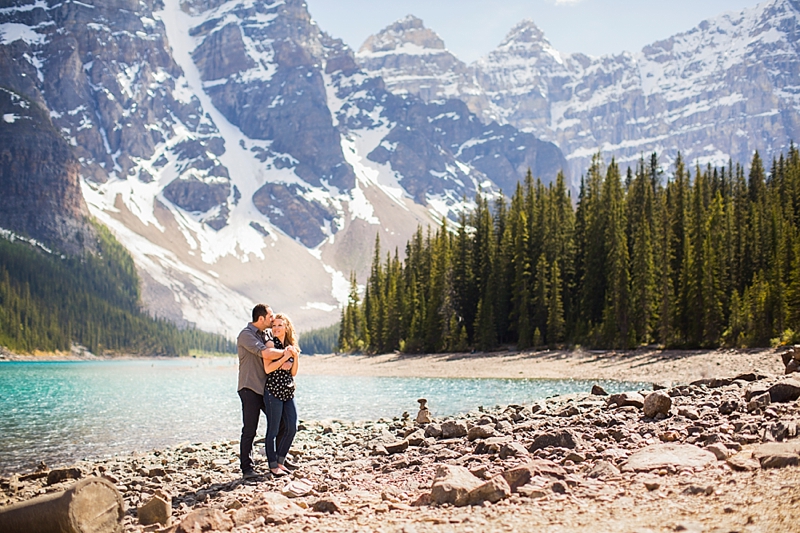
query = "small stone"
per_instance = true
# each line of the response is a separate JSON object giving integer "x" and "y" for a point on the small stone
{"x": 328, "y": 505}
{"x": 480, "y": 432}
{"x": 597, "y": 390}
{"x": 575, "y": 457}
{"x": 562, "y": 438}
{"x": 627, "y": 399}
{"x": 62, "y": 474}
{"x": 155, "y": 511}
{"x": 657, "y": 402}
{"x": 559, "y": 487}
{"x": 521, "y": 475}
{"x": 668, "y": 455}
{"x": 270, "y": 506}
{"x": 454, "y": 429}
{"x": 417, "y": 438}
{"x": 568, "y": 410}
{"x": 513, "y": 449}
{"x": 297, "y": 488}
{"x": 785, "y": 391}
{"x": 780, "y": 460}
{"x": 396, "y": 447}
{"x": 603, "y": 469}
{"x": 205, "y": 520}
{"x": 669, "y": 436}
{"x": 757, "y": 402}
{"x": 728, "y": 407}
{"x": 452, "y": 484}
{"x": 433, "y": 430}
{"x": 720, "y": 451}
{"x": 699, "y": 489}
{"x": 743, "y": 463}
{"x": 492, "y": 491}
{"x": 689, "y": 413}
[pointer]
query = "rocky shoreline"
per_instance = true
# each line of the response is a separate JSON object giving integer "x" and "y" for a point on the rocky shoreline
{"x": 713, "y": 455}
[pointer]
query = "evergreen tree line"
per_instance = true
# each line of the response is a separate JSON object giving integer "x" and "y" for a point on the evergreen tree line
{"x": 48, "y": 301}
{"x": 708, "y": 257}
{"x": 321, "y": 340}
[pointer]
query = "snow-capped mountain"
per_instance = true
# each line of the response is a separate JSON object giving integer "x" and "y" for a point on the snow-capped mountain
{"x": 240, "y": 153}
{"x": 726, "y": 88}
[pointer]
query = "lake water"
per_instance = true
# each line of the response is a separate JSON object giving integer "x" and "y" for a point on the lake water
{"x": 60, "y": 412}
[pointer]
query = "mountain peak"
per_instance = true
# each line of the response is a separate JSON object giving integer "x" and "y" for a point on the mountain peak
{"x": 526, "y": 31}
{"x": 408, "y": 30}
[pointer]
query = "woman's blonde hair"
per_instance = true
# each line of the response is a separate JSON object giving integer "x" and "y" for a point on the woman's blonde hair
{"x": 291, "y": 337}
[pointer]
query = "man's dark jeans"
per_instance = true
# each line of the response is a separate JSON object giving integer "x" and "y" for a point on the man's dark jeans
{"x": 252, "y": 407}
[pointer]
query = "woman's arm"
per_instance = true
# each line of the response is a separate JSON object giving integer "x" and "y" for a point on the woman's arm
{"x": 274, "y": 358}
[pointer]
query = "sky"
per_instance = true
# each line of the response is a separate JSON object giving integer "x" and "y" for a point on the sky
{"x": 472, "y": 28}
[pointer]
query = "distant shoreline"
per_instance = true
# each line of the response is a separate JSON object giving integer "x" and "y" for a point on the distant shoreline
{"x": 667, "y": 366}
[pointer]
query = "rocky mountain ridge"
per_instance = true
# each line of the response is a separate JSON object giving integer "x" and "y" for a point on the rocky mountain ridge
{"x": 717, "y": 92}
{"x": 224, "y": 141}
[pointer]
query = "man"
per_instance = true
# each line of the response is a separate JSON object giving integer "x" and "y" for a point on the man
{"x": 252, "y": 378}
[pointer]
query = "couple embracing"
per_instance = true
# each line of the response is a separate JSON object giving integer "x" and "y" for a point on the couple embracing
{"x": 268, "y": 355}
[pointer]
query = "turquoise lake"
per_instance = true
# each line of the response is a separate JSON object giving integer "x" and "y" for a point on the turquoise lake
{"x": 59, "y": 412}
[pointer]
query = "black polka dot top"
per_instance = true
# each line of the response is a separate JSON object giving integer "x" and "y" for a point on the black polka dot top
{"x": 280, "y": 383}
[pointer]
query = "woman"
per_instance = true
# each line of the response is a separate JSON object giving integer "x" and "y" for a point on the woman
{"x": 279, "y": 393}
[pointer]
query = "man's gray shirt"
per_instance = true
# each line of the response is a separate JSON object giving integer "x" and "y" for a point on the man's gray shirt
{"x": 251, "y": 367}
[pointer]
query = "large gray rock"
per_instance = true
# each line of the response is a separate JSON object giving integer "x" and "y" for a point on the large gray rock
{"x": 660, "y": 456}
{"x": 452, "y": 484}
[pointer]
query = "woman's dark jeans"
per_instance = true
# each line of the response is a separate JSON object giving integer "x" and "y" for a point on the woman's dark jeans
{"x": 278, "y": 411}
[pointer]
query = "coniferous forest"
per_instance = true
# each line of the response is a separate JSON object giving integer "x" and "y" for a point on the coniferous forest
{"x": 706, "y": 257}
{"x": 49, "y": 301}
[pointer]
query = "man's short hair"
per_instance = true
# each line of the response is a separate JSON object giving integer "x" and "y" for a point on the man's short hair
{"x": 259, "y": 311}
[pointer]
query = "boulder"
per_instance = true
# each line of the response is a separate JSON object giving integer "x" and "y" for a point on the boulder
{"x": 492, "y": 491}
{"x": 417, "y": 438}
{"x": 597, "y": 390}
{"x": 452, "y": 484}
{"x": 657, "y": 402}
{"x": 658, "y": 456}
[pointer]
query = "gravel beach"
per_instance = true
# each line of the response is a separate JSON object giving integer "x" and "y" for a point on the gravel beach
{"x": 714, "y": 449}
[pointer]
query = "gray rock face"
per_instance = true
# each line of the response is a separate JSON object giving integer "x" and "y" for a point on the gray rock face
{"x": 47, "y": 204}
{"x": 293, "y": 214}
